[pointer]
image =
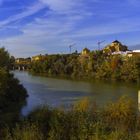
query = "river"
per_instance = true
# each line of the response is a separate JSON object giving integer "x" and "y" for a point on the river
{"x": 56, "y": 92}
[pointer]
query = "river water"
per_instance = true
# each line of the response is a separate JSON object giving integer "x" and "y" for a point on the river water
{"x": 56, "y": 92}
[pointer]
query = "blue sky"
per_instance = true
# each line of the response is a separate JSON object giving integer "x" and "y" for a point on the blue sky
{"x": 30, "y": 27}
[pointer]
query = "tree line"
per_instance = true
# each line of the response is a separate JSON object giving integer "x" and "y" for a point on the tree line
{"x": 96, "y": 65}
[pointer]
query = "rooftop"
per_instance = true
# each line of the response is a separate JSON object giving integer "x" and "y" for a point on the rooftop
{"x": 116, "y": 41}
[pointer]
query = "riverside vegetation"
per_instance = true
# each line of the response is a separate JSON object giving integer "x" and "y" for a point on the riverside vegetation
{"x": 84, "y": 121}
{"x": 116, "y": 121}
{"x": 12, "y": 93}
{"x": 96, "y": 66}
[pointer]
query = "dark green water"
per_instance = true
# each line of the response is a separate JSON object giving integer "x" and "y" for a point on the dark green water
{"x": 55, "y": 92}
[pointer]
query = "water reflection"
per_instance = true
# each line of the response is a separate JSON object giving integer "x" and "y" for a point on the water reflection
{"x": 56, "y": 92}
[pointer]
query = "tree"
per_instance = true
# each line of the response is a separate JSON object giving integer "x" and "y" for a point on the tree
{"x": 4, "y": 58}
{"x": 129, "y": 70}
{"x": 12, "y": 93}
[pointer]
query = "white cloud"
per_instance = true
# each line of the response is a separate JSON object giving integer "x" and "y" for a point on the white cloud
{"x": 50, "y": 30}
{"x": 51, "y": 36}
{"x": 59, "y": 27}
{"x": 61, "y": 5}
{"x": 27, "y": 12}
{"x": 112, "y": 27}
{"x": 39, "y": 34}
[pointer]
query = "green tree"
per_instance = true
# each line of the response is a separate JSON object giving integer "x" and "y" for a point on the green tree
{"x": 130, "y": 70}
{"x": 5, "y": 58}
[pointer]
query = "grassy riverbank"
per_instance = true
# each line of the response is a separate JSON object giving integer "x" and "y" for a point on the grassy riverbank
{"x": 115, "y": 121}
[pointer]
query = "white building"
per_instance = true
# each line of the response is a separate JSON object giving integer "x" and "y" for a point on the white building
{"x": 136, "y": 51}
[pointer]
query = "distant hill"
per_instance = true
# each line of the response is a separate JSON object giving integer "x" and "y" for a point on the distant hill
{"x": 115, "y": 46}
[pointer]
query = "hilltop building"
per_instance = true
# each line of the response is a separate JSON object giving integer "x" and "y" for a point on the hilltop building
{"x": 85, "y": 51}
{"x": 39, "y": 57}
{"x": 115, "y": 47}
{"x": 85, "y": 55}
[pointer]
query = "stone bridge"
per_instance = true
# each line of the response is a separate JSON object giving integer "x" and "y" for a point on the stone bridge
{"x": 21, "y": 66}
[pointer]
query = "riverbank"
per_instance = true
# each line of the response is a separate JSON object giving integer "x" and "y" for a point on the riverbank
{"x": 96, "y": 66}
{"x": 83, "y": 79}
{"x": 115, "y": 121}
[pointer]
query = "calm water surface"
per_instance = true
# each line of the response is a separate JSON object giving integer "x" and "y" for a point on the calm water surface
{"x": 55, "y": 92}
